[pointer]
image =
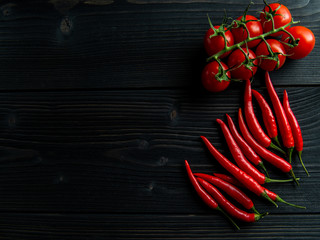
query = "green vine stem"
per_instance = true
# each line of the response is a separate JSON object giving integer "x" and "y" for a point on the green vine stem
{"x": 249, "y": 39}
{"x": 222, "y": 75}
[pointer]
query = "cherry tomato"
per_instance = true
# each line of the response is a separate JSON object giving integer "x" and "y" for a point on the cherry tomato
{"x": 254, "y": 27}
{"x": 209, "y": 79}
{"x": 282, "y": 16}
{"x": 242, "y": 72}
{"x": 217, "y": 43}
{"x": 277, "y": 48}
{"x": 305, "y": 45}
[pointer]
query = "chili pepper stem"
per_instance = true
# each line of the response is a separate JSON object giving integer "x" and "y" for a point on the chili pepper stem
{"x": 276, "y": 140}
{"x": 294, "y": 177}
{"x": 270, "y": 180}
{"x": 275, "y": 147}
{"x": 261, "y": 165}
{"x": 255, "y": 210}
{"x": 290, "y": 151}
{"x": 228, "y": 217}
{"x": 265, "y": 195}
{"x": 260, "y": 215}
{"x": 279, "y": 199}
{"x": 300, "y": 158}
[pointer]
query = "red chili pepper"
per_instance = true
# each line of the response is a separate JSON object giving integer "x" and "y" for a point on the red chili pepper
{"x": 268, "y": 117}
{"x": 269, "y": 156}
{"x": 230, "y": 189}
{"x": 246, "y": 149}
{"x": 239, "y": 174}
{"x": 275, "y": 197}
{"x": 229, "y": 179}
{"x": 253, "y": 123}
{"x": 295, "y": 127}
{"x": 227, "y": 205}
{"x": 205, "y": 196}
{"x": 241, "y": 160}
{"x": 284, "y": 126}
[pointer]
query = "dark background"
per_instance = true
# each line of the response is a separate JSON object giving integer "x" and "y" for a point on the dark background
{"x": 101, "y": 103}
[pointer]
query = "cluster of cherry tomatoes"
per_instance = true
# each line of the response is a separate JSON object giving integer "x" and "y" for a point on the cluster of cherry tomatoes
{"x": 237, "y": 50}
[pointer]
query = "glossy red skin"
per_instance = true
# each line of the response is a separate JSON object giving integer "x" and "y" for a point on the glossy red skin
{"x": 269, "y": 156}
{"x": 283, "y": 17}
{"x": 201, "y": 192}
{"x": 305, "y": 45}
{"x": 284, "y": 125}
{"x": 226, "y": 204}
{"x": 246, "y": 149}
{"x": 234, "y": 61}
{"x": 216, "y": 44}
{"x": 228, "y": 188}
{"x": 239, "y": 157}
{"x": 239, "y": 174}
{"x": 253, "y": 123}
{"x": 295, "y": 127}
{"x": 209, "y": 80}
{"x": 262, "y": 50}
{"x": 267, "y": 114}
{"x": 254, "y": 27}
{"x": 229, "y": 179}
{"x": 234, "y": 181}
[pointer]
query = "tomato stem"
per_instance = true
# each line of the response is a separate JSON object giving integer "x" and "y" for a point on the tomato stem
{"x": 242, "y": 23}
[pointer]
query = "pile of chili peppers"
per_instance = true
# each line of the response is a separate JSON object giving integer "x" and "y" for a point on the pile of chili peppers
{"x": 249, "y": 147}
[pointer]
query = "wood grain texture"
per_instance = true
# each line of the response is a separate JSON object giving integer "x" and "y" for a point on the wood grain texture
{"x": 101, "y": 103}
{"x": 136, "y": 44}
{"x": 123, "y": 151}
{"x": 211, "y": 225}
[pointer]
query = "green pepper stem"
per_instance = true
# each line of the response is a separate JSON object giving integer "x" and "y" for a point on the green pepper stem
{"x": 228, "y": 217}
{"x": 259, "y": 216}
{"x": 294, "y": 177}
{"x": 265, "y": 195}
{"x": 270, "y": 180}
{"x": 300, "y": 158}
{"x": 275, "y": 147}
{"x": 276, "y": 140}
{"x": 264, "y": 168}
{"x": 290, "y": 151}
{"x": 279, "y": 199}
{"x": 255, "y": 210}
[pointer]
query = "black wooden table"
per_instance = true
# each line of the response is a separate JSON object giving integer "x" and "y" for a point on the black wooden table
{"x": 101, "y": 103}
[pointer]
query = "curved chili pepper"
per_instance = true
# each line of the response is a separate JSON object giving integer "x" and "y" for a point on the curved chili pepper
{"x": 268, "y": 117}
{"x": 253, "y": 123}
{"x": 284, "y": 126}
{"x": 275, "y": 197}
{"x": 227, "y": 205}
{"x": 241, "y": 160}
{"x": 246, "y": 149}
{"x": 205, "y": 196}
{"x": 269, "y": 156}
{"x": 229, "y": 179}
{"x": 295, "y": 127}
{"x": 239, "y": 174}
{"x": 230, "y": 189}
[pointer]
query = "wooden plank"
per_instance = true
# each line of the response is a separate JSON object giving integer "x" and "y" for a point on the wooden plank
{"x": 123, "y": 151}
{"x": 123, "y": 44}
{"x": 211, "y": 225}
